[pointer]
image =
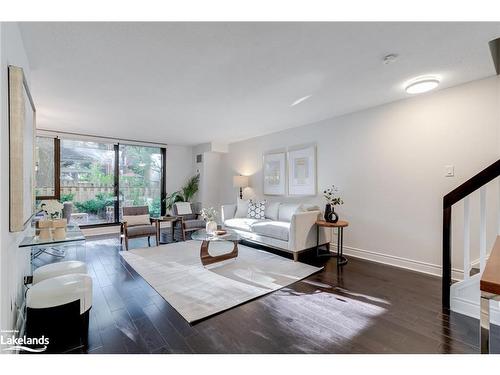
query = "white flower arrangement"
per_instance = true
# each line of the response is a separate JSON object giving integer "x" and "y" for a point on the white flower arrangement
{"x": 209, "y": 214}
{"x": 331, "y": 196}
{"x": 52, "y": 208}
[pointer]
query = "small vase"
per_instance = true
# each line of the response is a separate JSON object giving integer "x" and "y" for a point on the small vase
{"x": 330, "y": 215}
{"x": 45, "y": 230}
{"x": 211, "y": 227}
{"x": 59, "y": 229}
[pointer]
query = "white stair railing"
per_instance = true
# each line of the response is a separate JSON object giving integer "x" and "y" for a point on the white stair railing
{"x": 482, "y": 228}
{"x": 466, "y": 238}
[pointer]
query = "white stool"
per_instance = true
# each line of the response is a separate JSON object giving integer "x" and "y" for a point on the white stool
{"x": 58, "y": 309}
{"x": 58, "y": 269}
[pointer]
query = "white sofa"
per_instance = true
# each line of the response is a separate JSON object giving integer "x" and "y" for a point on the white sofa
{"x": 287, "y": 226}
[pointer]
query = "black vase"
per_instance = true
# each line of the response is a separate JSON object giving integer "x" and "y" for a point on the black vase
{"x": 330, "y": 215}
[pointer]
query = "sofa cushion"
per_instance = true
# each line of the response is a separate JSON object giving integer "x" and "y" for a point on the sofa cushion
{"x": 272, "y": 210}
{"x": 275, "y": 229}
{"x": 241, "y": 209}
{"x": 141, "y": 230}
{"x": 241, "y": 223}
{"x": 287, "y": 210}
{"x": 256, "y": 210}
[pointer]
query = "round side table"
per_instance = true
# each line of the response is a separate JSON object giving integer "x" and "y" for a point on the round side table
{"x": 340, "y": 225}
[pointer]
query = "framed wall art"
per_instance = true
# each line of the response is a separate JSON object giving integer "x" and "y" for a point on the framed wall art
{"x": 274, "y": 173}
{"x": 302, "y": 171}
{"x": 21, "y": 154}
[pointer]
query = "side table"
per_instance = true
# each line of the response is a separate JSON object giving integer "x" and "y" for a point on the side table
{"x": 340, "y": 225}
{"x": 165, "y": 219}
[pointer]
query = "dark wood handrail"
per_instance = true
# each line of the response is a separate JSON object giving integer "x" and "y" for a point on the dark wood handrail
{"x": 468, "y": 187}
{"x": 490, "y": 280}
{"x": 472, "y": 184}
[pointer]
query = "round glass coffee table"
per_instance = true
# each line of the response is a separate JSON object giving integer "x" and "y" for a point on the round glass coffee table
{"x": 206, "y": 258}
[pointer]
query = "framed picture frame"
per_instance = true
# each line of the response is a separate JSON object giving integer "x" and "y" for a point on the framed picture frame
{"x": 302, "y": 171}
{"x": 274, "y": 170}
{"x": 22, "y": 119}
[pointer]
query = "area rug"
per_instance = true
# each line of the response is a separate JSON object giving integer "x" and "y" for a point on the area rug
{"x": 197, "y": 292}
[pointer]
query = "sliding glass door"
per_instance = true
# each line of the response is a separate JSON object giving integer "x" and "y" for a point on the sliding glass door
{"x": 140, "y": 177}
{"x": 100, "y": 178}
{"x": 87, "y": 180}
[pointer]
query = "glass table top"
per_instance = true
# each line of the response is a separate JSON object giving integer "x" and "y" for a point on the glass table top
{"x": 202, "y": 235}
{"x": 73, "y": 233}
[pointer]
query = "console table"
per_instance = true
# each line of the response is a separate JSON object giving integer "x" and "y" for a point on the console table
{"x": 340, "y": 225}
{"x": 50, "y": 246}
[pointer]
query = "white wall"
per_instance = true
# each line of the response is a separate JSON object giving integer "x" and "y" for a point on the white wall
{"x": 179, "y": 166}
{"x": 210, "y": 180}
{"x": 388, "y": 162}
{"x": 14, "y": 262}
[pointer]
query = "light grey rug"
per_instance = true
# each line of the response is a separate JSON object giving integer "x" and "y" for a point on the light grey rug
{"x": 196, "y": 292}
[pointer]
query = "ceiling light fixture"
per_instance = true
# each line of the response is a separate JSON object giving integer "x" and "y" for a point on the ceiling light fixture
{"x": 422, "y": 84}
{"x": 298, "y": 101}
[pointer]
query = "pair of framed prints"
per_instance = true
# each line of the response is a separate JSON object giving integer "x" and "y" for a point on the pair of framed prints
{"x": 294, "y": 170}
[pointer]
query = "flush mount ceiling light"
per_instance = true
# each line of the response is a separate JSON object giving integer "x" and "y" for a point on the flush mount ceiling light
{"x": 422, "y": 84}
{"x": 300, "y": 100}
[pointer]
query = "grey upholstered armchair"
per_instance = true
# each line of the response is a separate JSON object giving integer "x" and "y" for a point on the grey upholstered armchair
{"x": 137, "y": 223}
{"x": 189, "y": 219}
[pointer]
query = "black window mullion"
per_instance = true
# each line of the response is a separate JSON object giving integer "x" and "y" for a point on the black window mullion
{"x": 163, "y": 179}
{"x": 117, "y": 182}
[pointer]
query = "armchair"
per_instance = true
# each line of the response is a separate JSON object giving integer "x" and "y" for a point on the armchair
{"x": 189, "y": 220}
{"x": 137, "y": 223}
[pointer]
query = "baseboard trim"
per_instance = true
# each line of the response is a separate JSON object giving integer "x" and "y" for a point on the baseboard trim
{"x": 393, "y": 260}
{"x": 469, "y": 308}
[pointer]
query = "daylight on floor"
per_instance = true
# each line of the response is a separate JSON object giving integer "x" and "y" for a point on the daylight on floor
{"x": 250, "y": 187}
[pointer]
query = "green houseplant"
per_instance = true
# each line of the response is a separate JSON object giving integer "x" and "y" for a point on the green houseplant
{"x": 185, "y": 194}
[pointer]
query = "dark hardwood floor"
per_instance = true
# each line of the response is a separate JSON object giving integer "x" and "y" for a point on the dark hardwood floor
{"x": 364, "y": 307}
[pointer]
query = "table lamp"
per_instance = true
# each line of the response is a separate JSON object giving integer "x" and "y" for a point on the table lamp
{"x": 240, "y": 182}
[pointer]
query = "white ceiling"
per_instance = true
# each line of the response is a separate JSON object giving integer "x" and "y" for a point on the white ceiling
{"x": 189, "y": 83}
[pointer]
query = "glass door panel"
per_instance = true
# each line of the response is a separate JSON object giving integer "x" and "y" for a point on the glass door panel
{"x": 87, "y": 180}
{"x": 140, "y": 177}
{"x": 44, "y": 168}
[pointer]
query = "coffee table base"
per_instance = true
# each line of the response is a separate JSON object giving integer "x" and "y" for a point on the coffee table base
{"x": 207, "y": 259}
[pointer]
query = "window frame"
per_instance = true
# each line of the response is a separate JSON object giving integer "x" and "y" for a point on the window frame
{"x": 57, "y": 179}
{"x": 57, "y": 171}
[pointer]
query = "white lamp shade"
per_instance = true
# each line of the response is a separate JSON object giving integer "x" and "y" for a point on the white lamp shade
{"x": 240, "y": 181}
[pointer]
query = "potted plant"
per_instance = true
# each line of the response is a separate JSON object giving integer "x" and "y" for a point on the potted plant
{"x": 210, "y": 216}
{"x": 332, "y": 200}
{"x": 186, "y": 193}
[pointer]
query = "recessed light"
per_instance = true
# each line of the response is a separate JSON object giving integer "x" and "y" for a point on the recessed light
{"x": 300, "y": 100}
{"x": 421, "y": 85}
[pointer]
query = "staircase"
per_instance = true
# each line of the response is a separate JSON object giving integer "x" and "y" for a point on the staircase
{"x": 463, "y": 296}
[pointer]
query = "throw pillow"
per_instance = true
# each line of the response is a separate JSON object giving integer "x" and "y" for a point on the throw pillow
{"x": 136, "y": 220}
{"x": 183, "y": 208}
{"x": 241, "y": 209}
{"x": 272, "y": 209}
{"x": 257, "y": 210}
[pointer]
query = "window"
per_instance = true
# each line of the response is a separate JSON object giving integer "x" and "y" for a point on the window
{"x": 89, "y": 173}
{"x": 87, "y": 180}
{"x": 45, "y": 183}
{"x": 140, "y": 177}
